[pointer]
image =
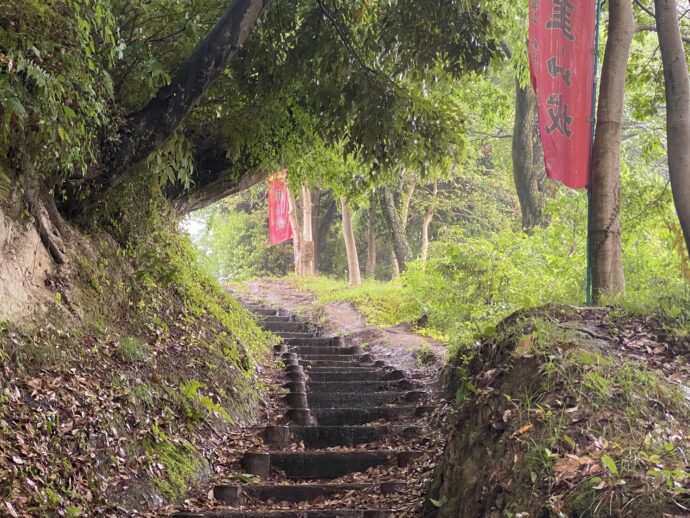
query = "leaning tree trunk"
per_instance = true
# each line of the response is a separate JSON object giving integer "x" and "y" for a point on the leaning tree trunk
{"x": 350, "y": 245}
{"x": 152, "y": 126}
{"x": 308, "y": 267}
{"x": 677, "y": 83}
{"x": 401, "y": 247}
{"x": 296, "y": 233}
{"x": 428, "y": 217}
{"x": 604, "y": 224}
{"x": 526, "y": 170}
{"x": 371, "y": 239}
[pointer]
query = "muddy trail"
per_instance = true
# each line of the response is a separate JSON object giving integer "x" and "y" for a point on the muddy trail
{"x": 358, "y": 421}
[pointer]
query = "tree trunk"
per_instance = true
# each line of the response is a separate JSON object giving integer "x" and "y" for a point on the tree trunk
{"x": 527, "y": 170}
{"x": 149, "y": 129}
{"x": 315, "y": 218}
{"x": 296, "y": 233}
{"x": 323, "y": 229}
{"x": 371, "y": 239}
{"x": 401, "y": 247}
{"x": 428, "y": 217}
{"x": 604, "y": 224}
{"x": 350, "y": 245}
{"x": 677, "y": 83}
{"x": 308, "y": 267}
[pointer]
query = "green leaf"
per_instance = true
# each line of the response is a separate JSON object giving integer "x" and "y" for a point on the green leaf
{"x": 610, "y": 465}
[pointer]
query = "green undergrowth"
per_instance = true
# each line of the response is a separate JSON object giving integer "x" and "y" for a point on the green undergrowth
{"x": 382, "y": 303}
{"x": 577, "y": 429}
{"x": 155, "y": 357}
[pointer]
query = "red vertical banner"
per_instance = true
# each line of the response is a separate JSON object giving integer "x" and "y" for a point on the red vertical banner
{"x": 279, "y": 228}
{"x": 562, "y": 57}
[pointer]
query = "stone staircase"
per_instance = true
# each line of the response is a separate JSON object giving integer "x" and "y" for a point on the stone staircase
{"x": 351, "y": 424}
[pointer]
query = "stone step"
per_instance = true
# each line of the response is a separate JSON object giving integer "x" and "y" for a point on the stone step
{"x": 316, "y": 437}
{"x": 316, "y": 341}
{"x": 290, "y": 327}
{"x": 325, "y": 350}
{"x": 243, "y": 494}
{"x": 360, "y": 399}
{"x": 354, "y": 386}
{"x": 317, "y": 465}
{"x": 355, "y": 367}
{"x": 347, "y": 416}
{"x": 330, "y": 357}
{"x": 264, "y": 311}
{"x": 308, "y": 513}
{"x": 346, "y": 362}
{"x": 297, "y": 334}
{"x": 354, "y": 375}
{"x": 276, "y": 319}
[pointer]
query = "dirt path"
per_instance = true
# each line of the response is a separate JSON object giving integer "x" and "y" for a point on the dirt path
{"x": 421, "y": 357}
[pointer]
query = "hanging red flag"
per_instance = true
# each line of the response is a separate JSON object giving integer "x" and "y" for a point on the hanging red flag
{"x": 562, "y": 60}
{"x": 279, "y": 228}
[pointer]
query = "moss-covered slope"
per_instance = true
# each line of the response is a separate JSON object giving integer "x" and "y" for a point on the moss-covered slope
{"x": 565, "y": 412}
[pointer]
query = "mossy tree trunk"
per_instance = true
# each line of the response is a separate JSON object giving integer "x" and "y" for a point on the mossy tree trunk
{"x": 401, "y": 247}
{"x": 528, "y": 172}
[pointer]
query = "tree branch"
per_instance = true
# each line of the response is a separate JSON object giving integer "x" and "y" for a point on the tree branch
{"x": 652, "y": 28}
{"x": 149, "y": 129}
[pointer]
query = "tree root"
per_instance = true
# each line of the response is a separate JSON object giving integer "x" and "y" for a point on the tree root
{"x": 46, "y": 218}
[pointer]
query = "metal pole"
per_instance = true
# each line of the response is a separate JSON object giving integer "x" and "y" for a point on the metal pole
{"x": 594, "y": 129}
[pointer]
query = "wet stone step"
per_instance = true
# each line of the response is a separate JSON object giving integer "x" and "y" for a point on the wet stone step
{"x": 314, "y": 465}
{"x": 354, "y": 375}
{"x": 326, "y": 350}
{"x": 359, "y": 399}
{"x": 266, "y": 312}
{"x": 330, "y": 357}
{"x": 354, "y": 415}
{"x": 275, "y": 319}
{"x": 242, "y": 494}
{"x": 296, "y": 334}
{"x": 315, "y": 437}
{"x": 355, "y": 386}
{"x": 291, "y": 327}
{"x": 316, "y": 342}
{"x": 347, "y": 362}
{"x": 312, "y": 513}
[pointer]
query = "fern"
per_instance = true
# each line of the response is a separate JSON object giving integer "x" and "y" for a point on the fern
{"x": 5, "y": 185}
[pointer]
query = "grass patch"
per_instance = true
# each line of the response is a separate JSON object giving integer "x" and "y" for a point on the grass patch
{"x": 132, "y": 350}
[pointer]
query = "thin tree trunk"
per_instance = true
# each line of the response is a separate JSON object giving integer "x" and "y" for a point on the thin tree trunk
{"x": 406, "y": 200}
{"x": 428, "y": 217}
{"x": 526, "y": 170}
{"x": 350, "y": 245}
{"x": 315, "y": 218}
{"x": 371, "y": 239}
{"x": 307, "y": 234}
{"x": 401, "y": 247}
{"x": 296, "y": 233}
{"x": 323, "y": 229}
{"x": 677, "y": 83}
{"x": 604, "y": 224}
